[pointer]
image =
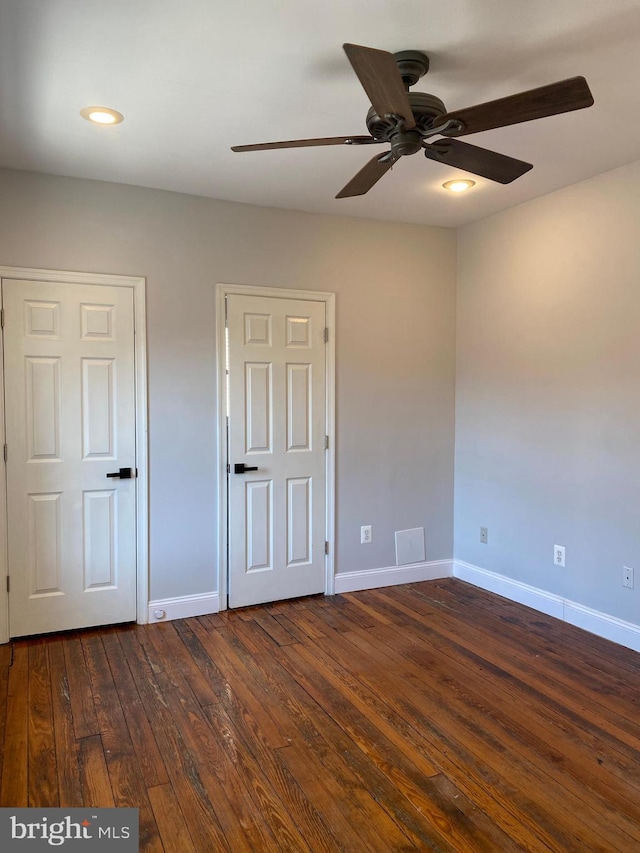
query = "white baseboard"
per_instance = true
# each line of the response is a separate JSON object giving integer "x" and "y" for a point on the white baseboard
{"x": 184, "y": 606}
{"x": 610, "y": 627}
{"x": 393, "y": 575}
{"x": 514, "y": 590}
{"x": 621, "y": 632}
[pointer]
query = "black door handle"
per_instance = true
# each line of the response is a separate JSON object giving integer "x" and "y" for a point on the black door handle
{"x": 122, "y": 474}
{"x": 240, "y": 468}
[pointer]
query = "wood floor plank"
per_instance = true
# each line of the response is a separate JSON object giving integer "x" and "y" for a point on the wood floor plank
{"x": 127, "y": 782}
{"x": 317, "y": 832}
{"x": 221, "y": 648}
{"x": 529, "y": 670}
{"x": 4, "y": 690}
{"x": 538, "y": 624}
{"x": 432, "y": 716}
{"x": 181, "y": 765}
{"x": 182, "y": 661}
{"x": 546, "y": 797}
{"x": 611, "y": 690}
{"x": 274, "y": 629}
{"x": 66, "y": 745}
{"x": 255, "y": 779}
{"x": 43, "y": 776}
{"x": 224, "y": 789}
{"x": 452, "y": 828}
{"x": 94, "y": 776}
{"x": 515, "y": 729}
{"x": 14, "y": 790}
{"x": 479, "y": 782}
{"x": 536, "y": 672}
{"x": 315, "y": 731}
{"x": 618, "y": 779}
{"x": 296, "y": 701}
{"x": 173, "y": 828}
{"x": 344, "y": 803}
{"x": 375, "y": 729}
{"x": 85, "y": 722}
{"x": 151, "y": 763}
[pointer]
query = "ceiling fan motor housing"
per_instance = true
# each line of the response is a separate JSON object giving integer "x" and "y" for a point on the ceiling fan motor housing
{"x": 412, "y": 65}
{"x": 426, "y": 109}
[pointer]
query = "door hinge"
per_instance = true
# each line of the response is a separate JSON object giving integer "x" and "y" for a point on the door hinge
{"x": 326, "y": 334}
{"x": 326, "y": 547}
{"x": 228, "y": 468}
{"x": 326, "y": 442}
{"x": 5, "y": 453}
{"x": 2, "y": 318}
{"x": 8, "y": 584}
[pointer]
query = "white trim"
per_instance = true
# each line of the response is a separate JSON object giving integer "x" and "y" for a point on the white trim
{"x": 184, "y": 607}
{"x": 66, "y": 277}
{"x": 4, "y": 553}
{"x": 221, "y": 443}
{"x": 610, "y": 627}
{"x": 142, "y": 451}
{"x": 514, "y": 590}
{"x": 621, "y": 632}
{"x": 138, "y": 286}
{"x": 393, "y": 575}
{"x": 330, "y": 414}
{"x": 329, "y": 299}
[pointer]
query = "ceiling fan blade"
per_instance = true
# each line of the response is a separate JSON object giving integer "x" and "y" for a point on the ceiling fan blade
{"x": 478, "y": 161}
{"x": 369, "y": 175}
{"x": 378, "y": 73}
{"x": 561, "y": 97}
{"x": 307, "y": 143}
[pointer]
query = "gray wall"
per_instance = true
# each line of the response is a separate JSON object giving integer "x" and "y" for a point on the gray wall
{"x": 548, "y": 392}
{"x": 395, "y": 287}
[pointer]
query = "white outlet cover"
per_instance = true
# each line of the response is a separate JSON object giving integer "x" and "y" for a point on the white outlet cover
{"x": 410, "y": 547}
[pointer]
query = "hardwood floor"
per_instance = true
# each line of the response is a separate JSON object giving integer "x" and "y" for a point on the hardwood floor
{"x": 431, "y": 716}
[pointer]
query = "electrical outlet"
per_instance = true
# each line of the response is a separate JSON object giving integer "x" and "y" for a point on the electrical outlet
{"x": 627, "y": 577}
{"x": 366, "y": 534}
{"x": 558, "y": 555}
{"x": 484, "y": 535}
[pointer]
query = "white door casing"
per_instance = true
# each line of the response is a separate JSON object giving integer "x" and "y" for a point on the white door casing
{"x": 280, "y": 411}
{"x": 75, "y": 380}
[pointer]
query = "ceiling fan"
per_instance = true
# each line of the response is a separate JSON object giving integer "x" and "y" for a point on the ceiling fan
{"x": 407, "y": 119}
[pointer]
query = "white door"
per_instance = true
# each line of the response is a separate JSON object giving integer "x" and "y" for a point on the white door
{"x": 70, "y": 423}
{"x": 277, "y": 423}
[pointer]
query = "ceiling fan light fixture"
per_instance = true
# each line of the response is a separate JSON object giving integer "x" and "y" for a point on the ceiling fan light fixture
{"x": 459, "y": 185}
{"x": 102, "y": 115}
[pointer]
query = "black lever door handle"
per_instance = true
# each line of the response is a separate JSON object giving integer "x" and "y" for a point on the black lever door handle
{"x": 240, "y": 468}
{"x": 122, "y": 474}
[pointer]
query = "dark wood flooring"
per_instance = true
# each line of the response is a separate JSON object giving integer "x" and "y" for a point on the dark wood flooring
{"x": 433, "y": 716}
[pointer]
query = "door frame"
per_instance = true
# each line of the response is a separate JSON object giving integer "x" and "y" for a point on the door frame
{"x": 138, "y": 288}
{"x": 329, "y": 300}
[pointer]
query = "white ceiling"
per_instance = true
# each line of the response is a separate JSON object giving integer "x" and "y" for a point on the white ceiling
{"x": 194, "y": 77}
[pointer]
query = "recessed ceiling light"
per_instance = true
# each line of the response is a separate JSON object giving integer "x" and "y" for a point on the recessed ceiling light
{"x": 459, "y": 185}
{"x": 102, "y": 115}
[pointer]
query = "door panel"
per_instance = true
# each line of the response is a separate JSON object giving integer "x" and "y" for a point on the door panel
{"x": 258, "y": 409}
{"x": 277, "y": 418}
{"x": 98, "y": 408}
{"x": 43, "y": 408}
{"x": 70, "y": 410}
{"x": 299, "y": 521}
{"x": 99, "y": 514}
{"x": 44, "y": 538}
